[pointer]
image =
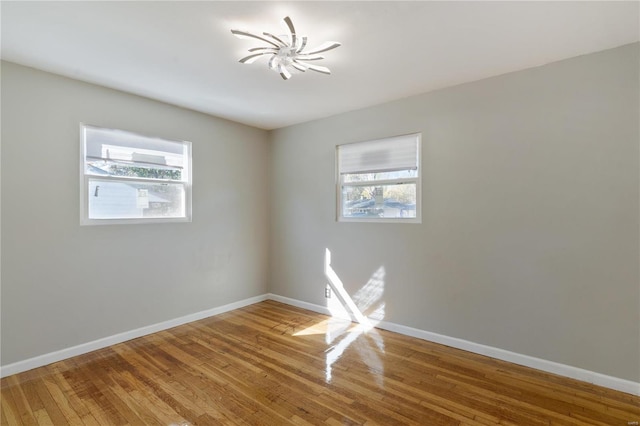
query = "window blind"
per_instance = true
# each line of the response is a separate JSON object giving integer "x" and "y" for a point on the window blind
{"x": 121, "y": 146}
{"x": 381, "y": 155}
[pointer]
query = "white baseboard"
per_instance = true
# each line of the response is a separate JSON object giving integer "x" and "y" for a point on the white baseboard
{"x": 39, "y": 361}
{"x": 300, "y": 304}
{"x": 501, "y": 354}
{"x": 513, "y": 357}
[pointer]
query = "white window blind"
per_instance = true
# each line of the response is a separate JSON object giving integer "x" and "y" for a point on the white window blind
{"x": 118, "y": 146}
{"x": 382, "y": 155}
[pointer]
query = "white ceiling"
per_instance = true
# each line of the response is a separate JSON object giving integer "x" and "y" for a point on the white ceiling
{"x": 184, "y": 53}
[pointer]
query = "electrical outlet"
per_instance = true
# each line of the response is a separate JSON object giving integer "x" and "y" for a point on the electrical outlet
{"x": 327, "y": 292}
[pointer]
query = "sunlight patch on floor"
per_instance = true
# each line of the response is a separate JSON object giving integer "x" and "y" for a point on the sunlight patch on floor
{"x": 367, "y": 309}
{"x": 331, "y": 326}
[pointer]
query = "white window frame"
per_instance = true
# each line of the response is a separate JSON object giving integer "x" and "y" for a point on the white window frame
{"x": 340, "y": 183}
{"x": 84, "y": 185}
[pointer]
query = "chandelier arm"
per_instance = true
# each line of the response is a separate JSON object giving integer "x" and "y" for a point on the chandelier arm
{"x": 303, "y": 44}
{"x": 318, "y": 68}
{"x": 257, "y": 49}
{"x": 284, "y": 72}
{"x": 272, "y": 62}
{"x": 324, "y": 47}
{"x": 276, "y": 38}
{"x": 298, "y": 66}
{"x": 310, "y": 57}
{"x": 242, "y": 34}
{"x": 252, "y": 58}
{"x": 292, "y": 30}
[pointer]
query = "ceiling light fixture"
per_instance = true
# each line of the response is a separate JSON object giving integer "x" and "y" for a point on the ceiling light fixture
{"x": 287, "y": 52}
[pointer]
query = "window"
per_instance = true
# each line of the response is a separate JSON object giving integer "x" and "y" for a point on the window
{"x": 129, "y": 178}
{"x": 379, "y": 180}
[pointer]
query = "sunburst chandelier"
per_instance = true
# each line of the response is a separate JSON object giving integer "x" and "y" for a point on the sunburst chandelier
{"x": 286, "y": 52}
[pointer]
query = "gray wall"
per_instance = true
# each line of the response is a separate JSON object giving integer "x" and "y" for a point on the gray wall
{"x": 63, "y": 284}
{"x": 529, "y": 238}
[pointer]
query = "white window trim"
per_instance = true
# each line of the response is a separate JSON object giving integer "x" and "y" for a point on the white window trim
{"x": 417, "y": 180}
{"x": 84, "y": 189}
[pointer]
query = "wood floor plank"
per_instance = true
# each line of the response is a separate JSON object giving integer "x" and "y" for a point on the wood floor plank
{"x": 9, "y": 410}
{"x": 275, "y": 364}
{"x": 62, "y": 402}
{"x": 22, "y": 406}
{"x": 53, "y": 411}
{"x": 3, "y": 417}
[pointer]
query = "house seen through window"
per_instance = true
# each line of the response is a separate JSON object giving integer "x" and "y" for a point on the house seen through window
{"x": 129, "y": 178}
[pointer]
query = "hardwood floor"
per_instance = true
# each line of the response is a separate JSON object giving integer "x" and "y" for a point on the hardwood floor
{"x": 274, "y": 364}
